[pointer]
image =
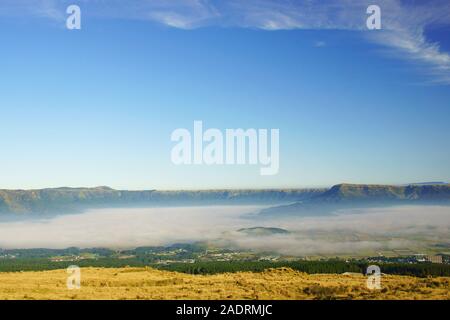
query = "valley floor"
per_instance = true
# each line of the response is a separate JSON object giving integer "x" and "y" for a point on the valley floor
{"x": 147, "y": 283}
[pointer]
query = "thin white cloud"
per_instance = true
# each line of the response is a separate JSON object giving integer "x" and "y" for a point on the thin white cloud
{"x": 48, "y": 9}
{"x": 182, "y": 14}
{"x": 403, "y": 22}
{"x": 405, "y": 34}
{"x": 319, "y": 44}
{"x": 415, "y": 47}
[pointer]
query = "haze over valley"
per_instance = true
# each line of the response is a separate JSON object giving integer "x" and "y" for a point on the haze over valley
{"x": 349, "y": 220}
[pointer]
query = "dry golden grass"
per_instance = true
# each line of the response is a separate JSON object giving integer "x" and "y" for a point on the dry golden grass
{"x": 146, "y": 283}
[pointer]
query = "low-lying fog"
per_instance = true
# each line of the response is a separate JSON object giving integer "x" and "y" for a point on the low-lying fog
{"x": 346, "y": 232}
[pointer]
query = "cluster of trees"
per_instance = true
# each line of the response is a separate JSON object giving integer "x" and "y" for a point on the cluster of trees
{"x": 214, "y": 267}
{"x": 417, "y": 269}
{"x": 311, "y": 267}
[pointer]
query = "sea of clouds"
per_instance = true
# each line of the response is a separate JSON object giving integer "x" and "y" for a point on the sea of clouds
{"x": 344, "y": 232}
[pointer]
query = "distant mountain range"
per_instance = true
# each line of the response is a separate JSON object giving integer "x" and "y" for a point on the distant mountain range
{"x": 360, "y": 195}
{"x": 310, "y": 201}
{"x": 361, "y": 192}
{"x": 67, "y": 200}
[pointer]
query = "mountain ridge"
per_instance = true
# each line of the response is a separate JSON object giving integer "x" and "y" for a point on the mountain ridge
{"x": 347, "y": 191}
{"x": 346, "y": 195}
{"x": 315, "y": 200}
{"x": 67, "y": 200}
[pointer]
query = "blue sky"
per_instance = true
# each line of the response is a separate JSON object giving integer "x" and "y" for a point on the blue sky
{"x": 97, "y": 106}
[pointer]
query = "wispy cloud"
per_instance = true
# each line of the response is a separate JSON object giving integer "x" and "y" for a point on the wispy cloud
{"x": 49, "y": 9}
{"x": 404, "y": 33}
{"x": 183, "y": 14}
{"x": 319, "y": 44}
{"x": 403, "y": 22}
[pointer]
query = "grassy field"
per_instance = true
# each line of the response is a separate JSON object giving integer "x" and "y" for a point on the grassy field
{"x": 147, "y": 283}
